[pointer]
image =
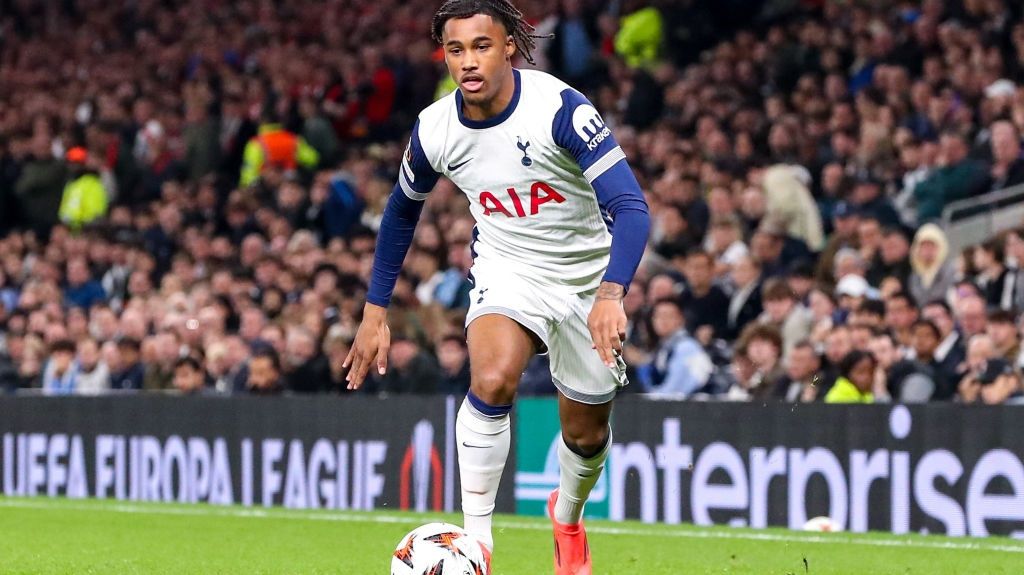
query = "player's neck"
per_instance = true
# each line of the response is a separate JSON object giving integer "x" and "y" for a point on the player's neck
{"x": 496, "y": 105}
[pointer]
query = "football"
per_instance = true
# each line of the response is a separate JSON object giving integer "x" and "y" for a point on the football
{"x": 440, "y": 549}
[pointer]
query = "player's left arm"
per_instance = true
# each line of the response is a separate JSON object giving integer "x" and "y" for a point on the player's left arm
{"x": 579, "y": 129}
{"x": 416, "y": 178}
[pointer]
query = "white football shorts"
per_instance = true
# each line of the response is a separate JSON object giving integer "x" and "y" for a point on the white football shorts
{"x": 558, "y": 318}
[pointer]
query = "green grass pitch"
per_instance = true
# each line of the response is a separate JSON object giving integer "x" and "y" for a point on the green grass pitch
{"x": 54, "y": 536}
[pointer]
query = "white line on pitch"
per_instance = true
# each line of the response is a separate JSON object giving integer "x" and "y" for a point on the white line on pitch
{"x": 201, "y": 510}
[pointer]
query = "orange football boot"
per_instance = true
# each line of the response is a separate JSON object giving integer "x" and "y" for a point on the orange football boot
{"x": 572, "y": 553}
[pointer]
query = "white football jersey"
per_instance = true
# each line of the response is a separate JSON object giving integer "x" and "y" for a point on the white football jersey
{"x": 527, "y": 173}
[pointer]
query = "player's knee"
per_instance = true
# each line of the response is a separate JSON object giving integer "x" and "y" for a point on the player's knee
{"x": 585, "y": 441}
{"x": 494, "y": 386}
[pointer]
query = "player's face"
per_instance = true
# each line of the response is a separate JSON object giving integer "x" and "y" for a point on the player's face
{"x": 478, "y": 51}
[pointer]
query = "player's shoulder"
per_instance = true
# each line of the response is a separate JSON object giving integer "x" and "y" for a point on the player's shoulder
{"x": 438, "y": 112}
{"x": 542, "y": 80}
{"x": 549, "y": 87}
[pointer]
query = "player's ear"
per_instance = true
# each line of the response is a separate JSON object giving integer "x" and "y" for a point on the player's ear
{"x": 510, "y": 48}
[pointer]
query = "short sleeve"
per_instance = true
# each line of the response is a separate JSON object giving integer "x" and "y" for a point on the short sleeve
{"x": 579, "y": 128}
{"x": 417, "y": 176}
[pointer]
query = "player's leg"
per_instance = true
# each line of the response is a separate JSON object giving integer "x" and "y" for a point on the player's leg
{"x": 499, "y": 349}
{"x": 586, "y": 439}
{"x": 586, "y": 390}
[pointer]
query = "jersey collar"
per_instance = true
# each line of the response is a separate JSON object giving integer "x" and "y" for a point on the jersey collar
{"x": 494, "y": 120}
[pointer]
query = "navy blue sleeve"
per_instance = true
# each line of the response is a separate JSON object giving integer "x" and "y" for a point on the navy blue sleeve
{"x": 415, "y": 180}
{"x": 578, "y": 128}
{"x": 417, "y": 177}
{"x": 619, "y": 193}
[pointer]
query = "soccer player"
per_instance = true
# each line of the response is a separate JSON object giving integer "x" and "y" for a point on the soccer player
{"x": 561, "y": 227}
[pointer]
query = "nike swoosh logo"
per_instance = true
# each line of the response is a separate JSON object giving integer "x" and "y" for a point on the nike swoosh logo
{"x": 464, "y": 444}
{"x": 453, "y": 167}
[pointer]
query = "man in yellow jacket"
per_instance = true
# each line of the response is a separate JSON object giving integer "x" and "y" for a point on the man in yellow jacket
{"x": 639, "y": 38}
{"x": 85, "y": 198}
{"x": 275, "y": 147}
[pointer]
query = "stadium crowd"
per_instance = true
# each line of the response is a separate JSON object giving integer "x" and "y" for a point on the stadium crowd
{"x": 190, "y": 192}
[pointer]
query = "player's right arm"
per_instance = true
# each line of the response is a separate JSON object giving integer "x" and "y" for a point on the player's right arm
{"x": 373, "y": 339}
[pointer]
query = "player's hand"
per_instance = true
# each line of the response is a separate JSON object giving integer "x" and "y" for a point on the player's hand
{"x": 373, "y": 340}
{"x": 607, "y": 322}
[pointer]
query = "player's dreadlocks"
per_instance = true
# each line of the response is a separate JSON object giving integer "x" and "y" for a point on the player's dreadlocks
{"x": 502, "y": 10}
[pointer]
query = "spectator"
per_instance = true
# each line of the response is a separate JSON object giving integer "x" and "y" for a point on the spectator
{"x": 846, "y": 220}
{"x": 993, "y": 277}
{"x": 856, "y": 379}
{"x": 335, "y": 348}
{"x": 264, "y": 374}
{"x": 784, "y": 313}
{"x": 706, "y": 305}
{"x": 725, "y": 243}
{"x": 838, "y": 343}
{"x": 60, "y": 376}
{"x": 791, "y": 205}
{"x": 1007, "y": 165}
{"x": 956, "y": 178}
{"x": 823, "y": 313}
{"x": 1002, "y": 330}
{"x": 951, "y": 352}
{"x": 277, "y": 153}
{"x": 8, "y": 293}
{"x": 82, "y": 291}
{"x": 453, "y": 357}
{"x": 800, "y": 280}
{"x": 737, "y": 380}
{"x": 160, "y": 365}
{"x": 763, "y": 347}
{"x": 774, "y": 250}
{"x": 232, "y": 372}
{"x": 93, "y": 374}
{"x": 1013, "y": 248}
{"x": 9, "y": 380}
{"x": 932, "y": 276}
{"x": 851, "y": 292}
{"x": 900, "y": 314}
{"x": 745, "y": 302}
{"x": 679, "y": 366}
{"x": 803, "y": 372}
{"x": 305, "y": 370}
{"x": 126, "y": 371}
{"x": 85, "y": 198}
{"x": 453, "y": 291}
{"x": 189, "y": 378}
{"x": 868, "y": 200}
{"x": 900, "y": 379}
{"x": 971, "y": 316}
{"x": 891, "y": 259}
{"x": 202, "y": 152}
{"x": 639, "y": 39}
{"x": 870, "y": 314}
{"x": 983, "y": 367}
{"x": 869, "y": 241}
{"x": 571, "y": 53}
{"x": 317, "y": 130}
{"x": 926, "y": 338}
{"x": 40, "y": 186}
{"x": 849, "y": 262}
{"x": 1005, "y": 389}
{"x": 410, "y": 369}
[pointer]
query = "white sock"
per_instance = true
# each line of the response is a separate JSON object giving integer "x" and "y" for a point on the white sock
{"x": 577, "y": 478}
{"x": 483, "y": 444}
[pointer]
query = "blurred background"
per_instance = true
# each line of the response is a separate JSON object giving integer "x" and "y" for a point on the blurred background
{"x": 190, "y": 193}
